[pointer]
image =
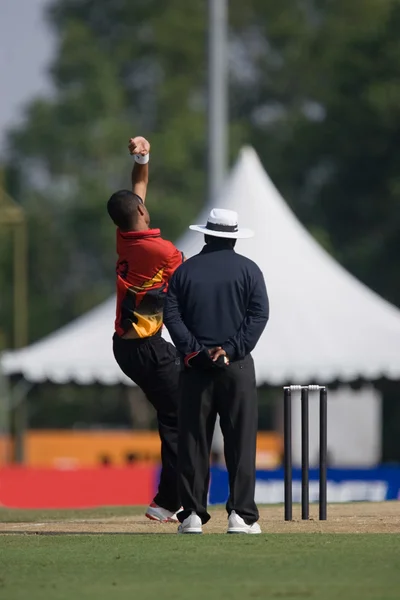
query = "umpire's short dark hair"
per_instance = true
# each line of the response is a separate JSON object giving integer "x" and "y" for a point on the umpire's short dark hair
{"x": 221, "y": 242}
{"x": 122, "y": 208}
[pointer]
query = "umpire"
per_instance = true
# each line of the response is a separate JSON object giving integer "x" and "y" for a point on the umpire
{"x": 216, "y": 310}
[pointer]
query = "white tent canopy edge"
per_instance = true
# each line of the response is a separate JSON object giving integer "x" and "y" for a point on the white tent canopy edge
{"x": 324, "y": 326}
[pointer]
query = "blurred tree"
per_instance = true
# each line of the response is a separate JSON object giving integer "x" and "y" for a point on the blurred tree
{"x": 113, "y": 77}
{"x": 323, "y": 107}
{"x": 314, "y": 87}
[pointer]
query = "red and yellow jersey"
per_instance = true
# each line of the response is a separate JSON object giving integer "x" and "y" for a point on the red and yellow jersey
{"x": 145, "y": 264}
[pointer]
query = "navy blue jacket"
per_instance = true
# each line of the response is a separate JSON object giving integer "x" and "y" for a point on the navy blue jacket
{"x": 217, "y": 298}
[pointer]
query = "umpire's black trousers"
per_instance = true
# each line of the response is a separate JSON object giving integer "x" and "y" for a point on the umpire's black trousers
{"x": 153, "y": 364}
{"x": 230, "y": 392}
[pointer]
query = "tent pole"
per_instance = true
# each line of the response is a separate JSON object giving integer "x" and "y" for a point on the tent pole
{"x": 5, "y": 456}
{"x": 20, "y": 412}
{"x": 19, "y": 420}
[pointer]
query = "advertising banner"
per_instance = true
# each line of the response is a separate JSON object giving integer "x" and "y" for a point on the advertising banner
{"x": 344, "y": 485}
{"x": 22, "y": 487}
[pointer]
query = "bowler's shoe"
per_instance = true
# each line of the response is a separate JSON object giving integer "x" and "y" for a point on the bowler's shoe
{"x": 162, "y": 515}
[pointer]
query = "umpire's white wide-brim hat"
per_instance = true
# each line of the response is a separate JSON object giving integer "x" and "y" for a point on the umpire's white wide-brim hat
{"x": 223, "y": 223}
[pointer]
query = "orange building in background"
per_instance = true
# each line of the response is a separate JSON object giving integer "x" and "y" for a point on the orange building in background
{"x": 82, "y": 449}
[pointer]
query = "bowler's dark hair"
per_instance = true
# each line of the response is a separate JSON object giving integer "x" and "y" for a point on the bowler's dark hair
{"x": 122, "y": 208}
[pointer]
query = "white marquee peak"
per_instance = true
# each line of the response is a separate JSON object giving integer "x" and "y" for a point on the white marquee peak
{"x": 324, "y": 324}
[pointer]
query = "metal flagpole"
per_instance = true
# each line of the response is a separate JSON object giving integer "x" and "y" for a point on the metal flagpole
{"x": 217, "y": 95}
{"x": 217, "y": 108}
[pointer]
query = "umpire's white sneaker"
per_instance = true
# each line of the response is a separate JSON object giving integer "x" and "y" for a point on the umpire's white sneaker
{"x": 237, "y": 525}
{"x": 192, "y": 524}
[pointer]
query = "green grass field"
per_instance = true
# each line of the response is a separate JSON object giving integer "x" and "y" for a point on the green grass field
{"x": 171, "y": 567}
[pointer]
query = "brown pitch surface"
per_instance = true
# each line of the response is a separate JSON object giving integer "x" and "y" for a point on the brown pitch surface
{"x": 342, "y": 518}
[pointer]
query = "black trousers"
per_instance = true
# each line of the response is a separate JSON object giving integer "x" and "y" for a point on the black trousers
{"x": 153, "y": 364}
{"x": 231, "y": 393}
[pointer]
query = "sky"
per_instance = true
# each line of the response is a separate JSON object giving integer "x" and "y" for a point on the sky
{"x": 26, "y": 47}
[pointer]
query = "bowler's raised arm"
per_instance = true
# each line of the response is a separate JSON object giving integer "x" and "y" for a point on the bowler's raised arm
{"x": 139, "y": 147}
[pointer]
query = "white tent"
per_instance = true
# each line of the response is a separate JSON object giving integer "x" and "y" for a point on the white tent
{"x": 324, "y": 324}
